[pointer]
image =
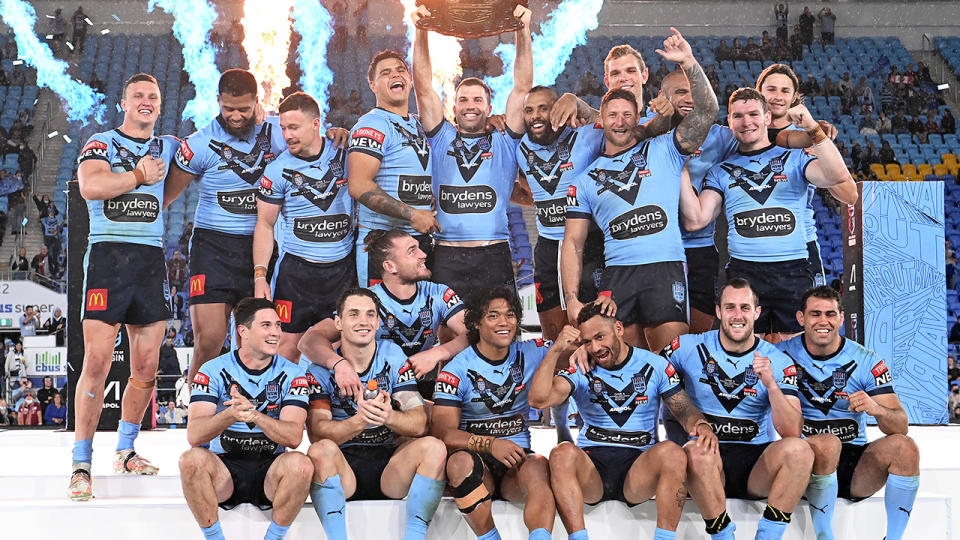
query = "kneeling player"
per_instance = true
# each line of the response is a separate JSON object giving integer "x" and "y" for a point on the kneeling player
{"x": 619, "y": 401}
{"x": 354, "y": 450}
{"x": 841, "y": 383}
{"x": 248, "y": 405}
{"x": 481, "y": 413}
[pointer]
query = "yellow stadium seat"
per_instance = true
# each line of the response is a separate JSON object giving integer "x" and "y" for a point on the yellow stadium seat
{"x": 878, "y": 170}
{"x": 954, "y": 169}
{"x": 893, "y": 170}
{"x": 940, "y": 169}
{"x": 909, "y": 170}
{"x": 924, "y": 169}
{"x": 948, "y": 159}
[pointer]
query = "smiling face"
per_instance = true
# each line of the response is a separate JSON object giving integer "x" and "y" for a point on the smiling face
{"x": 141, "y": 104}
{"x": 238, "y": 113}
{"x": 498, "y": 325}
{"x": 626, "y": 72}
{"x": 391, "y": 82}
{"x": 780, "y": 94}
{"x": 603, "y": 339}
{"x": 619, "y": 118}
{"x": 676, "y": 88}
{"x": 749, "y": 122}
{"x": 263, "y": 335}
{"x": 359, "y": 321}
{"x": 536, "y": 117}
{"x": 737, "y": 311}
{"x": 407, "y": 260}
{"x": 821, "y": 319}
{"x": 472, "y": 108}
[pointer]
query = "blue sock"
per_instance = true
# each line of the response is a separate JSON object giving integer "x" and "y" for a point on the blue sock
{"x": 540, "y": 534}
{"x": 822, "y": 496}
{"x": 579, "y": 535}
{"x": 726, "y": 533}
{"x": 275, "y": 532}
{"x": 660, "y": 534}
{"x": 560, "y": 413}
{"x": 331, "y": 507}
{"x": 770, "y": 530}
{"x": 898, "y": 499}
{"x": 82, "y": 451}
{"x": 422, "y": 501}
{"x": 494, "y": 534}
{"x": 213, "y": 532}
{"x": 126, "y": 434}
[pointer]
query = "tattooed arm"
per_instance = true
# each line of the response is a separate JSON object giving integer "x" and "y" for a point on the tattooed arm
{"x": 363, "y": 168}
{"x": 692, "y": 420}
{"x": 691, "y": 132}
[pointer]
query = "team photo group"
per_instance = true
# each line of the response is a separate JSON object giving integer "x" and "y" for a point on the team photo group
{"x": 366, "y": 278}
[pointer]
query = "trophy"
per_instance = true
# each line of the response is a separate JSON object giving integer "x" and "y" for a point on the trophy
{"x": 471, "y": 18}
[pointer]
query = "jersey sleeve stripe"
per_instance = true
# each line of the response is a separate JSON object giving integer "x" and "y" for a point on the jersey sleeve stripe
{"x": 203, "y": 398}
{"x": 294, "y": 403}
{"x": 367, "y": 152}
{"x": 573, "y": 214}
{"x": 879, "y": 391}
{"x": 442, "y": 402}
{"x": 670, "y": 392}
{"x": 454, "y": 311}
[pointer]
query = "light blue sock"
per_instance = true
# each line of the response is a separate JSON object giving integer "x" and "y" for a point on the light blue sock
{"x": 540, "y": 534}
{"x": 560, "y": 414}
{"x": 331, "y": 507}
{"x": 770, "y": 530}
{"x": 82, "y": 452}
{"x": 726, "y": 533}
{"x": 213, "y": 532}
{"x": 822, "y": 498}
{"x": 422, "y": 501}
{"x": 898, "y": 499}
{"x": 579, "y": 535}
{"x": 660, "y": 534}
{"x": 275, "y": 532}
{"x": 494, "y": 534}
{"x": 126, "y": 434}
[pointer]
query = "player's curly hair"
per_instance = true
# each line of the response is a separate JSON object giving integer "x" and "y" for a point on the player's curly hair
{"x": 478, "y": 303}
{"x": 237, "y": 82}
{"x": 591, "y": 310}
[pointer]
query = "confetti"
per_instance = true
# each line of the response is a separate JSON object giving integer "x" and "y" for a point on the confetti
{"x": 36, "y": 101}
{"x": 68, "y": 139}
{"x": 49, "y": 36}
{"x": 88, "y": 21}
{"x": 119, "y": 109}
{"x": 70, "y": 45}
{"x": 105, "y": 31}
{"x": 50, "y": 17}
{"x": 24, "y": 222}
{"x": 117, "y": 18}
{"x": 17, "y": 62}
{"x": 52, "y": 134}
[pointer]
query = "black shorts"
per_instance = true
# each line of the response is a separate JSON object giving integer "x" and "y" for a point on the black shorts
{"x": 816, "y": 263}
{"x": 850, "y": 455}
{"x": 546, "y": 271}
{"x": 368, "y": 277}
{"x": 497, "y": 470}
{"x": 648, "y": 294}
{"x": 469, "y": 270}
{"x": 248, "y": 475}
{"x": 613, "y": 463}
{"x": 368, "y": 463}
{"x": 126, "y": 283}
{"x": 738, "y": 460}
{"x": 780, "y": 285}
{"x": 221, "y": 267}
{"x": 702, "y": 266}
{"x": 307, "y": 292}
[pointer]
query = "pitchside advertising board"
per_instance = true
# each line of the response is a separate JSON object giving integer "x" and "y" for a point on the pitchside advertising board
{"x": 120, "y": 364}
{"x": 895, "y": 288}
{"x": 16, "y": 295}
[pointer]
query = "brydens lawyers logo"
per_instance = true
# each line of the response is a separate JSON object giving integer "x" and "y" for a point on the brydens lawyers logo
{"x": 284, "y": 309}
{"x": 198, "y": 284}
{"x": 96, "y": 300}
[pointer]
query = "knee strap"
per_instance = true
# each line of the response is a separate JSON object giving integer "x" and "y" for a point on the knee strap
{"x": 471, "y": 492}
{"x": 141, "y": 384}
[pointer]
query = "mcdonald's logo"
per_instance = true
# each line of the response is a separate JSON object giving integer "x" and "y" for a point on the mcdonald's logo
{"x": 197, "y": 284}
{"x": 97, "y": 300}
{"x": 284, "y": 309}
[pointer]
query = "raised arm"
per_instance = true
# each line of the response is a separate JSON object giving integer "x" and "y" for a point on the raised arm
{"x": 522, "y": 72}
{"x": 429, "y": 104}
{"x": 829, "y": 170}
{"x": 547, "y": 388}
{"x": 784, "y": 409}
{"x": 99, "y": 183}
{"x": 693, "y": 129}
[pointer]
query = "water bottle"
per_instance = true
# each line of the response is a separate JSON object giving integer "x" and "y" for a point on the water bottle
{"x": 371, "y": 392}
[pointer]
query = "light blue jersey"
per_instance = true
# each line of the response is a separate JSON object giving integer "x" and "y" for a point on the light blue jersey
{"x": 620, "y": 406}
{"x": 765, "y": 197}
{"x": 315, "y": 204}
{"x": 135, "y": 216}
{"x": 719, "y": 144}
{"x": 229, "y": 169}
{"x": 634, "y": 196}
{"x": 826, "y": 382}
{"x": 412, "y": 323}
{"x": 473, "y": 178}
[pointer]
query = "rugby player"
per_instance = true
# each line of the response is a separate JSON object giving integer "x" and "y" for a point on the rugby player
{"x": 355, "y": 450}
{"x": 763, "y": 189}
{"x": 481, "y": 412}
{"x": 616, "y": 456}
{"x": 121, "y": 173}
{"x": 474, "y": 171}
{"x": 389, "y": 164}
{"x": 249, "y": 406}
{"x": 740, "y": 382}
{"x": 840, "y": 384}
{"x": 306, "y": 184}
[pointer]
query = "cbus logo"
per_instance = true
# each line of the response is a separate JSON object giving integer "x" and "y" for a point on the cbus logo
{"x": 284, "y": 309}
{"x": 97, "y": 300}
{"x": 197, "y": 284}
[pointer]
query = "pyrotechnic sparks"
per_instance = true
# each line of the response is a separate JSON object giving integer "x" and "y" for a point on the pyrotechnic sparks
{"x": 266, "y": 38}
{"x": 315, "y": 25}
{"x": 444, "y": 58}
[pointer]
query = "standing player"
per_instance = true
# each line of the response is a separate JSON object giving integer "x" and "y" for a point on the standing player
{"x": 121, "y": 174}
{"x": 228, "y": 156}
{"x": 355, "y": 449}
{"x": 249, "y": 405}
{"x": 412, "y": 309}
{"x": 763, "y": 189}
{"x": 474, "y": 171}
{"x": 389, "y": 163}
{"x": 306, "y": 184}
{"x": 841, "y": 383}
{"x": 481, "y": 415}
{"x": 739, "y": 382}
{"x": 616, "y": 456}
{"x": 631, "y": 192}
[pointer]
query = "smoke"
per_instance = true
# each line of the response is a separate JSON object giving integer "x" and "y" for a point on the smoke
{"x": 315, "y": 26}
{"x": 563, "y": 31}
{"x": 193, "y": 21}
{"x": 79, "y": 100}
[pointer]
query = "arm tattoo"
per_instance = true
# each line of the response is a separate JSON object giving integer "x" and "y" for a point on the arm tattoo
{"x": 377, "y": 200}
{"x": 682, "y": 409}
{"x": 586, "y": 112}
{"x": 694, "y": 128}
